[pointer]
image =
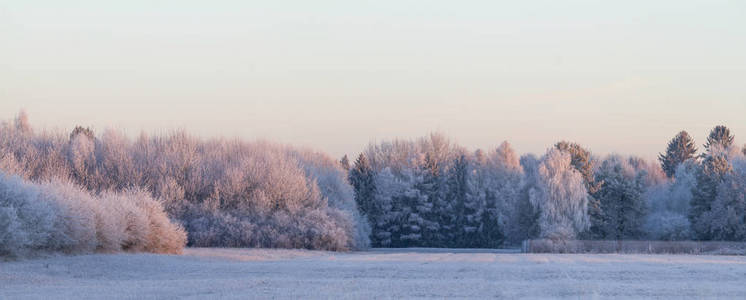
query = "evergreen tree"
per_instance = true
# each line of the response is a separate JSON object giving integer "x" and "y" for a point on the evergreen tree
{"x": 528, "y": 213}
{"x": 680, "y": 149}
{"x": 709, "y": 176}
{"x": 431, "y": 205}
{"x": 491, "y": 232}
{"x": 720, "y": 136}
{"x": 726, "y": 218}
{"x": 362, "y": 179}
{"x": 416, "y": 210}
{"x": 345, "y": 163}
{"x": 386, "y": 212}
{"x": 463, "y": 230}
{"x": 620, "y": 197}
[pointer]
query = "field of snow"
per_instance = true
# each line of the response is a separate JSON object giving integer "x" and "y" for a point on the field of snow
{"x": 399, "y": 273}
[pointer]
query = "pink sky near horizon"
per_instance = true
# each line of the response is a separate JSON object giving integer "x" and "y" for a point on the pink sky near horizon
{"x": 334, "y": 76}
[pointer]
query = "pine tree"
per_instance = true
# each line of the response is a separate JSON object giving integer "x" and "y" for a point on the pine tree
{"x": 720, "y": 136}
{"x": 680, "y": 149}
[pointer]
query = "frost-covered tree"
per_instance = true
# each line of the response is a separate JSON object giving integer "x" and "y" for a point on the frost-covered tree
{"x": 464, "y": 222}
{"x": 429, "y": 204}
{"x": 345, "y": 163}
{"x": 720, "y": 136}
{"x": 585, "y": 164}
{"x": 414, "y": 208}
{"x": 362, "y": 178}
{"x": 22, "y": 123}
{"x": 527, "y": 212}
{"x": 561, "y": 197}
{"x": 727, "y": 216}
{"x": 582, "y": 161}
{"x": 386, "y": 215}
{"x": 503, "y": 174}
{"x": 227, "y": 193}
{"x": 621, "y": 198}
{"x": 86, "y": 131}
{"x": 82, "y": 159}
{"x": 668, "y": 205}
{"x": 680, "y": 149}
{"x": 713, "y": 171}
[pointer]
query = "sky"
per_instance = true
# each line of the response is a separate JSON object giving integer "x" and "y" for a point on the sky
{"x": 620, "y": 77}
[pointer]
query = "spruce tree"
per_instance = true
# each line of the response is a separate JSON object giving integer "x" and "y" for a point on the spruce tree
{"x": 345, "y": 163}
{"x": 463, "y": 222}
{"x": 709, "y": 176}
{"x": 385, "y": 217}
{"x": 621, "y": 200}
{"x": 726, "y": 219}
{"x": 680, "y": 149}
{"x": 720, "y": 136}
{"x": 491, "y": 234}
{"x": 416, "y": 211}
{"x": 432, "y": 206}
{"x": 362, "y": 179}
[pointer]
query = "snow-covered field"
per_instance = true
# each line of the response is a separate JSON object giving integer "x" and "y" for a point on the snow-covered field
{"x": 402, "y": 273}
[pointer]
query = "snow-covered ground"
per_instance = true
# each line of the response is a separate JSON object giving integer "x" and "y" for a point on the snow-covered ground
{"x": 401, "y": 273}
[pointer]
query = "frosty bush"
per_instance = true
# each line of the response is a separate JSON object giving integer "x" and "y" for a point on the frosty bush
{"x": 224, "y": 192}
{"x": 58, "y": 217}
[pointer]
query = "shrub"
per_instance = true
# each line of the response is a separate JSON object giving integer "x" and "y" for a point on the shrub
{"x": 58, "y": 217}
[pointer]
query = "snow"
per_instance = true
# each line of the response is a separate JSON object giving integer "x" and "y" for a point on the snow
{"x": 379, "y": 273}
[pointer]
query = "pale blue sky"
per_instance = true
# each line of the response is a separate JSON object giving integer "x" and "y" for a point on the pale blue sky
{"x": 334, "y": 75}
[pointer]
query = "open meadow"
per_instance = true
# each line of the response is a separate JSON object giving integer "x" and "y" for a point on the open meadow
{"x": 380, "y": 273}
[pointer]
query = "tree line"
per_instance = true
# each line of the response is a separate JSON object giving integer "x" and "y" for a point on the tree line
{"x": 432, "y": 193}
{"x": 427, "y": 192}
